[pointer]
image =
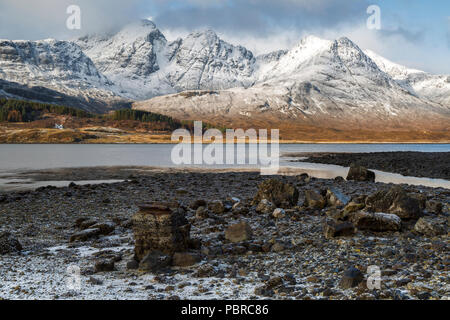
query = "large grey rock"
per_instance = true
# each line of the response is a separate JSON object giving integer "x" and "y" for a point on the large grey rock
{"x": 160, "y": 227}
{"x": 281, "y": 194}
{"x": 395, "y": 201}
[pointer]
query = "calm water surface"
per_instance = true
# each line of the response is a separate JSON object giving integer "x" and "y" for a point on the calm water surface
{"x": 15, "y": 158}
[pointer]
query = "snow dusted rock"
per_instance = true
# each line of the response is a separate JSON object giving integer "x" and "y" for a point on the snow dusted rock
{"x": 335, "y": 197}
{"x": 265, "y": 207}
{"x": 376, "y": 221}
{"x": 314, "y": 200}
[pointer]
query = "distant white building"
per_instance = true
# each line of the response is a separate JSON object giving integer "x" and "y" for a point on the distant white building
{"x": 59, "y": 126}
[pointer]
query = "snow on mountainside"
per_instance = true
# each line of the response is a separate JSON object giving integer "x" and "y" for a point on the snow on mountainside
{"x": 56, "y": 65}
{"x": 317, "y": 81}
{"x": 203, "y": 61}
{"x": 435, "y": 88}
{"x": 130, "y": 58}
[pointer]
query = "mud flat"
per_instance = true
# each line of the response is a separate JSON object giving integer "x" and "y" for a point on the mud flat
{"x": 312, "y": 239}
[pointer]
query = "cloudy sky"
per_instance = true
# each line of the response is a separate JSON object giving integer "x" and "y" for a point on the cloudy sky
{"x": 415, "y": 33}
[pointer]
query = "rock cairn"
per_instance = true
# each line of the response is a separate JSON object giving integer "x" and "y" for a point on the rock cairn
{"x": 160, "y": 227}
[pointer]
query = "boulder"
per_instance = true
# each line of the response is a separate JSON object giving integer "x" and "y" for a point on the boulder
{"x": 282, "y": 195}
{"x": 335, "y": 198}
{"x": 160, "y": 227}
{"x": 376, "y": 221}
{"x": 155, "y": 261}
{"x": 239, "y": 232}
{"x": 181, "y": 259}
{"x": 8, "y": 243}
{"x": 395, "y": 201}
{"x": 85, "y": 235}
{"x": 352, "y": 278}
{"x": 359, "y": 173}
{"x": 333, "y": 229}
{"x": 431, "y": 226}
{"x": 216, "y": 207}
{"x": 265, "y": 207}
{"x": 314, "y": 200}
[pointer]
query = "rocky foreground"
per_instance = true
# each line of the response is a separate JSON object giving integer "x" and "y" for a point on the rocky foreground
{"x": 188, "y": 235}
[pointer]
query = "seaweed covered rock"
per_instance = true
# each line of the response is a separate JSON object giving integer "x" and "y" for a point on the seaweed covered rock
{"x": 395, "y": 201}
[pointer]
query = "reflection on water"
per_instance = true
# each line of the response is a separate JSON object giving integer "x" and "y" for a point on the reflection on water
{"x": 16, "y": 158}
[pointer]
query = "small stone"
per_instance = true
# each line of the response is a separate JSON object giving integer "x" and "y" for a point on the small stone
{"x": 333, "y": 229}
{"x": 201, "y": 213}
{"x": 185, "y": 259}
{"x": 314, "y": 200}
{"x": 335, "y": 198}
{"x": 216, "y": 207}
{"x": 265, "y": 207}
{"x": 279, "y": 213}
{"x": 132, "y": 265}
{"x": 104, "y": 266}
{"x": 155, "y": 261}
{"x": 434, "y": 207}
{"x": 239, "y": 232}
{"x": 95, "y": 281}
{"x": 84, "y": 235}
{"x": 352, "y": 278}
{"x": 278, "y": 247}
{"x": 197, "y": 204}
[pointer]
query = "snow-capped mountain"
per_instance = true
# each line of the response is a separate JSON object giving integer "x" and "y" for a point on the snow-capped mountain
{"x": 435, "y": 88}
{"x": 56, "y": 65}
{"x": 316, "y": 81}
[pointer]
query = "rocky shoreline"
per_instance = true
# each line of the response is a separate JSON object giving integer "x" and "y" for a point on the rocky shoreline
{"x": 251, "y": 237}
{"x": 416, "y": 164}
